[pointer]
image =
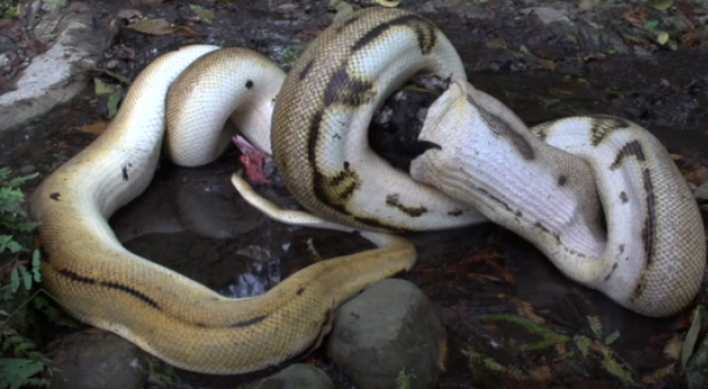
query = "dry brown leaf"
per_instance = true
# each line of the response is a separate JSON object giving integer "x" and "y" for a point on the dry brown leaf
{"x": 549, "y": 64}
{"x": 153, "y": 27}
{"x": 694, "y": 172}
{"x": 496, "y": 43}
{"x": 673, "y": 347}
{"x": 541, "y": 373}
{"x": 636, "y": 16}
{"x": 659, "y": 374}
{"x": 94, "y": 128}
{"x": 287, "y": 6}
{"x": 145, "y": 2}
{"x": 691, "y": 38}
{"x": 186, "y": 31}
{"x": 442, "y": 352}
{"x": 525, "y": 310}
{"x": 595, "y": 325}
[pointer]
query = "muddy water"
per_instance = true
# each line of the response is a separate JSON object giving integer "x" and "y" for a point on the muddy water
{"x": 191, "y": 220}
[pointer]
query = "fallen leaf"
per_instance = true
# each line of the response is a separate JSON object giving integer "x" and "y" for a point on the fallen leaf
{"x": 112, "y": 104}
{"x": 673, "y": 348}
{"x": 94, "y": 128}
{"x": 525, "y": 310}
{"x": 691, "y": 337}
{"x": 548, "y": 64}
{"x": 636, "y": 17}
{"x": 153, "y": 27}
{"x": 119, "y": 77}
{"x": 442, "y": 352}
{"x": 595, "y": 325}
{"x": 186, "y": 31}
{"x": 691, "y": 38}
{"x": 101, "y": 88}
{"x": 388, "y": 3}
{"x": 611, "y": 338}
{"x": 145, "y": 2}
{"x": 662, "y": 38}
{"x": 659, "y": 374}
{"x": 662, "y": 5}
{"x": 205, "y": 15}
{"x": 496, "y": 43}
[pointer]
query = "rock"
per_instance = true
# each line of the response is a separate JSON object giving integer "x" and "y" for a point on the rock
{"x": 297, "y": 376}
{"x": 97, "y": 360}
{"x": 54, "y": 77}
{"x": 390, "y": 328}
{"x": 588, "y": 5}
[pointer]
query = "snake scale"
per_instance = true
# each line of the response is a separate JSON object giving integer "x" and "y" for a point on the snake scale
{"x": 651, "y": 259}
{"x": 319, "y": 145}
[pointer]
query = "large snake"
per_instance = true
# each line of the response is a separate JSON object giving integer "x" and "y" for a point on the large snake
{"x": 184, "y": 323}
{"x": 319, "y": 144}
{"x": 652, "y": 257}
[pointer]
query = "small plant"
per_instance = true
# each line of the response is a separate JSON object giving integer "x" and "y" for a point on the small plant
{"x": 159, "y": 373}
{"x": 21, "y": 364}
{"x": 403, "y": 381}
{"x": 25, "y": 365}
{"x": 15, "y": 236}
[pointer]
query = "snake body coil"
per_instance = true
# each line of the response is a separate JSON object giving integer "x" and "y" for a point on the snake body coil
{"x": 166, "y": 314}
{"x": 652, "y": 258}
{"x": 322, "y": 114}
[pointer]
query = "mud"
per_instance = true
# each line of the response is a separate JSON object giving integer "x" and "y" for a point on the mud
{"x": 545, "y": 60}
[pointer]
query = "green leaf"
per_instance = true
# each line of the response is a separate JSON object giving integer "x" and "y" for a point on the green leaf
{"x": 14, "y": 280}
{"x": 205, "y": 15}
{"x": 36, "y": 266}
{"x": 651, "y": 24}
{"x": 4, "y": 241}
{"x": 112, "y": 103}
{"x": 611, "y": 338}
{"x": 14, "y": 246}
{"x": 101, "y": 88}
{"x": 16, "y": 372}
{"x": 583, "y": 344}
{"x": 125, "y": 80}
{"x": 691, "y": 337}
{"x": 27, "y": 278}
{"x": 24, "y": 347}
{"x": 548, "y": 336}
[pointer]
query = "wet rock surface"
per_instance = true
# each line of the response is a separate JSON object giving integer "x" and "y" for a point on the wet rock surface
{"x": 389, "y": 331}
{"x": 59, "y": 74}
{"x": 297, "y": 376}
{"x": 97, "y": 360}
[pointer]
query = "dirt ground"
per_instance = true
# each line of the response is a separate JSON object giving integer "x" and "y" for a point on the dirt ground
{"x": 544, "y": 59}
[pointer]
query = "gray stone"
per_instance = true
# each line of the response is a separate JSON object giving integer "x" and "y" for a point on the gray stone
{"x": 390, "y": 328}
{"x": 97, "y": 360}
{"x": 54, "y": 77}
{"x": 297, "y": 376}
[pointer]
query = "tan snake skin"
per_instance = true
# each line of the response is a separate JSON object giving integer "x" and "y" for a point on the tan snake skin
{"x": 165, "y": 313}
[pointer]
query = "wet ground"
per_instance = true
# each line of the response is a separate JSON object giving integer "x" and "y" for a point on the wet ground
{"x": 512, "y": 317}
